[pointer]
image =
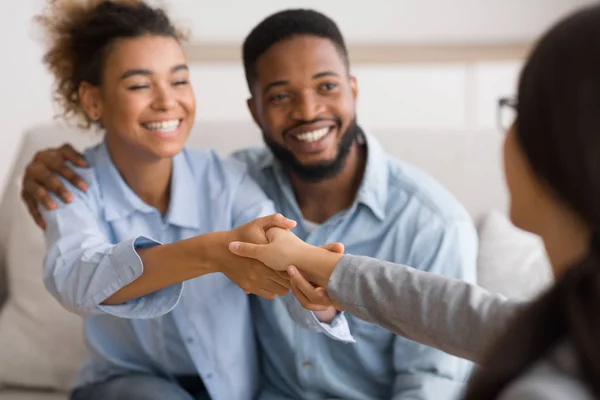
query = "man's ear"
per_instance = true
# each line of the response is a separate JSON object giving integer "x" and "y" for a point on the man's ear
{"x": 252, "y": 108}
{"x": 91, "y": 100}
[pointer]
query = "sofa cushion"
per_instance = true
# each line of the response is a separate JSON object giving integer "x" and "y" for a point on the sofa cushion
{"x": 31, "y": 395}
{"x": 41, "y": 344}
{"x": 511, "y": 261}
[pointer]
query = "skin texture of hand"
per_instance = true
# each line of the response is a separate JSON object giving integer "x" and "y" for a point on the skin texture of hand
{"x": 252, "y": 275}
{"x": 313, "y": 298}
{"x": 40, "y": 179}
{"x": 285, "y": 249}
{"x": 282, "y": 249}
{"x": 323, "y": 311}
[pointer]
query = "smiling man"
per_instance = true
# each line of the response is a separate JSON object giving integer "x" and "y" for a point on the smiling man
{"x": 324, "y": 171}
{"x": 321, "y": 169}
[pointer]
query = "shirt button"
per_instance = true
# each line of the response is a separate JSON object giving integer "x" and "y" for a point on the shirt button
{"x": 209, "y": 375}
{"x": 307, "y": 365}
{"x": 189, "y": 340}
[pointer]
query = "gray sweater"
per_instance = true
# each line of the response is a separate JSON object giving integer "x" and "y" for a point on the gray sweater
{"x": 448, "y": 314}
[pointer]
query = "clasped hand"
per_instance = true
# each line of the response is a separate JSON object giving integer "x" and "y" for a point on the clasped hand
{"x": 283, "y": 250}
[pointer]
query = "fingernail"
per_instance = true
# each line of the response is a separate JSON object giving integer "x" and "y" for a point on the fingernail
{"x": 292, "y": 271}
{"x": 234, "y": 246}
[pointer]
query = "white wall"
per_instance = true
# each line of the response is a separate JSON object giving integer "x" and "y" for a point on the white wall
{"x": 439, "y": 97}
{"x": 25, "y": 85}
{"x": 445, "y": 21}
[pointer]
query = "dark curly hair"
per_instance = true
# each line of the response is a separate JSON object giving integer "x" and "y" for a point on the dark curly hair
{"x": 80, "y": 33}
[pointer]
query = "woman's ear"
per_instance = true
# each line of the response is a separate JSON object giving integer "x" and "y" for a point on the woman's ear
{"x": 89, "y": 96}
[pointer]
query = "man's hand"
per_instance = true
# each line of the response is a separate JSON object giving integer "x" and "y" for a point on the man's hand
{"x": 251, "y": 275}
{"x": 310, "y": 297}
{"x": 40, "y": 179}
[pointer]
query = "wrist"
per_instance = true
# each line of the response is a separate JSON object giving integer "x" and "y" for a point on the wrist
{"x": 317, "y": 264}
{"x": 213, "y": 251}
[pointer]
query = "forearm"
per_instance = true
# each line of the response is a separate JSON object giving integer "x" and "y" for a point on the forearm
{"x": 448, "y": 314}
{"x": 172, "y": 263}
{"x": 316, "y": 264}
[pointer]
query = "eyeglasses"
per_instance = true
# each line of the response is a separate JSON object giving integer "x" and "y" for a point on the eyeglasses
{"x": 507, "y": 113}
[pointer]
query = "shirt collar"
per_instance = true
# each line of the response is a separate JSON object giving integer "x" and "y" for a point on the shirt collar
{"x": 373, "y": 190}
{"x": 120, "y": 201}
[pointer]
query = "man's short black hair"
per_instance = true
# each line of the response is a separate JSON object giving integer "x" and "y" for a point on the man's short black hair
{"x": 285, "y": 25}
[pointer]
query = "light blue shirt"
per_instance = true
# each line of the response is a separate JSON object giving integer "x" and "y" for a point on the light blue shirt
{"x": 202, "y": 326}
{"x": 400, "y": 215}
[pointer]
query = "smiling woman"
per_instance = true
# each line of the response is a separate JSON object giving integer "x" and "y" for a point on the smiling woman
{"x": 119, "y": 65}
{"x": 134, "y": 83}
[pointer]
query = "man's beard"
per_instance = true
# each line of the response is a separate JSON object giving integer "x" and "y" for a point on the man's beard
{"x": 319, "y": 171}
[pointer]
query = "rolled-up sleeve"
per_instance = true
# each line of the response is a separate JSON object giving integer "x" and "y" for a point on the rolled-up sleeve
{"x": 82, "y": 269}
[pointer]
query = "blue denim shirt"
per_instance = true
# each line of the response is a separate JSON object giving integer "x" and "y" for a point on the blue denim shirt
{"x": 401, "y": 215}
{"x": 200, "y": 326}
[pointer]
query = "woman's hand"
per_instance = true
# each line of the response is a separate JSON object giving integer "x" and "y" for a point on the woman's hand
{"x": 252, "y": 275}
{"x": 284, "y": 248}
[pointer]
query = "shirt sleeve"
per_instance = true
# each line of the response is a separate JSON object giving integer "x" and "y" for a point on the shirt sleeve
{"x": 82, "y": 269}
{"x": 337, "y": 329}
{"x": 449, "y": 314}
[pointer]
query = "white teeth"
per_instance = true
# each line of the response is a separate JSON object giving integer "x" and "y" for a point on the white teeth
{"x": 313, "y": 136}
{"x": 164, "y": 126}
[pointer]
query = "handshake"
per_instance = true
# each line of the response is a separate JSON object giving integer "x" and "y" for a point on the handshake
{"x": 272, "y": 260}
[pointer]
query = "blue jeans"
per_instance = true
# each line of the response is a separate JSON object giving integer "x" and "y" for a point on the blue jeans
{"x": 141, "y": 387}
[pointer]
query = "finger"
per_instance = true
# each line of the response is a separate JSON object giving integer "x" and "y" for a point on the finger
{"x": 70, "y": 154}
{"x": 303, "y": 300}
{"x": 335, "y": 247}
{"x": 72, "y": 177}
{"x": 248, "y": 250}
{"x": 59, "y": 166}
{"x": 39, "y": 194}
{"x": 276, "y": 287}
{"x": 53, "y": 161}
{"x": 266, "y": 294}
{"x": 280, "y": 281}
{"x": 54, "y": 184}
{"x": 307, "y": 289}
{"x": 284, "y": 275}
{"x": 322, "y": 292}
{"x": 35, "y": 212}
{"x": 43, "y": 175}
{"x": 277, "y": 220}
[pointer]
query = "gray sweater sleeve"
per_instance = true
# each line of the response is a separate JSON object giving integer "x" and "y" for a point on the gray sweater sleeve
{"x": 451, "y": 315}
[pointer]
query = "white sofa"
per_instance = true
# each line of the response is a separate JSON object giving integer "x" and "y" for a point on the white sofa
{"x": 41, "y": 345}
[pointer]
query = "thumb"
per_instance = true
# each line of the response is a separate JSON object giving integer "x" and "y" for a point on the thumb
{"x": 277, "y": 221}
{"x": 248, "y": 250}
{"x": 335, "y": 247}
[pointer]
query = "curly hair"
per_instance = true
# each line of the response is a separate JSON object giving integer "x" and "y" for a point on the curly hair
{"x": 80, "y": 33}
